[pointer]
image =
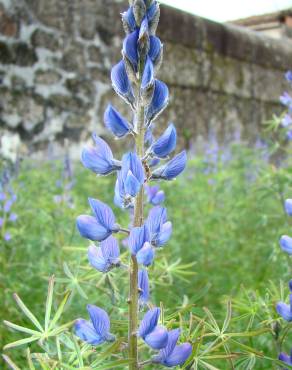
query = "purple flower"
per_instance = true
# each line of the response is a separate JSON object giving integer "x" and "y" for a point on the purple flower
{"x": 8, "y": 205}
{"x": 154, "y": 335}
{"x": 143, "y": 286}
{"x": 7, "y": 236}
{"x": 99, "y": 227}
{"x": 137, "y": 238}
{"x": 121, "y": 82}
{"x": 288, "y": 207}
{"x": 115, "y": 122}
{"x": 146, "y": 254}
{"x": 172, "y": 168}
{"x": 106, "y": 256}
{"x": 173, "y": 354}
{"x": 286, "y": 244}
{"x": 132, "y": 174}
{"x": 160, "y": 229}
{"x": 97, "y": 330}
{"x": 2, "y": 196}
{"x": 165, "y": 144}
{"x": 159, "y": 101}
{"x": 284, "y": 309}
{"x": 148, "y": 75}
{"x": 287, "y": 120}
{"x": 286, "y": 99}
{"x": 154, "y": 195}
{"x": 288, "y": 76}
{"x": 286, "y": 358}
{"x": 99, "y": 159}
{"x": 13, "y": 217}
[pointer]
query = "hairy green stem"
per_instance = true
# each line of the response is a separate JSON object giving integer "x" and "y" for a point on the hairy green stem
{"x": 138, "y": 221}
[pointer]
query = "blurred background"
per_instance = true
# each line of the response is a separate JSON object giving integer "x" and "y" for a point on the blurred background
{"x": 225, "y": 65}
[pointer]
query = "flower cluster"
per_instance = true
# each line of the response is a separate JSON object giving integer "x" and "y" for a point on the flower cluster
{"x": 133, "y": 79}
{"x": 286, "y": 99}
{"x": 7, "y": 200}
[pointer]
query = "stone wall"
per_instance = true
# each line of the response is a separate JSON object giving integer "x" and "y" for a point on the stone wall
{"x": 55, "y": 60}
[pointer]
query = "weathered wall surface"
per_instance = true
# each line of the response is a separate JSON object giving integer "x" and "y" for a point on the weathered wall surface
{"x": 55, "y": 59}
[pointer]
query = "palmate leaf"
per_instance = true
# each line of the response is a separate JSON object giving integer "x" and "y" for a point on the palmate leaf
{"x": 50, "y": 328}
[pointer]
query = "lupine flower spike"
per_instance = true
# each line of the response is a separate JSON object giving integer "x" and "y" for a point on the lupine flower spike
{"x": 134, "y": 80}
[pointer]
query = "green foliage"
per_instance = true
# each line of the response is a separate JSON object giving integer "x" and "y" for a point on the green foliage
{"x": 224, "y": 249}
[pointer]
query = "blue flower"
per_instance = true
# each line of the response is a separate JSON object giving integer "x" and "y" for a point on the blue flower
{"x": 132, "y": 174}
{"x": 286, "y": 358}
{"x": 165, "y": 144}
{"x": 121, "y": 82}
{"x": 106, "y": 256}
{"x": 129, "y": 20}
{"x": 154, "y": 335}
{"x": 97, "y": 330}
{"x": 99, "y": 227}
{"x": 284, "y": 309}
{"x": 286, "y": 99}
{"x": 159, "y": 101}
{"x": 99, "y": 159}
{"x": 130, "y": 49}
{"x": 137, "y": 238}
{"x": 288, "y": 76}
{"x": 172, "y": 354}
{"x": 143, "y": 286}
{"x": 286, "y": 120}
{"x": 288, "y": 207}
{"x": 286, "y": 244}
{"x": 154, "y": 195}
{"x": 155, "y": 49}
{"x": 115, "y": 122}
{"x": 172, "y": 168}
{"x": 145, "y": 255}
{"x": 160, "y": 229}
{"x": 148, "y": 75}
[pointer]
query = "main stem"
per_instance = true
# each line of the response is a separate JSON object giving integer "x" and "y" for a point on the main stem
{"x": 138, "y": 221}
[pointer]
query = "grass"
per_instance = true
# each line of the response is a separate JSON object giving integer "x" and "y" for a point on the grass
{"x": 226, "y": 223}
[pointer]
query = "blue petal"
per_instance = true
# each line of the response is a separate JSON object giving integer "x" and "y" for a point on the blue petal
{"x": 159, "y": 101}
{"x": 284, "y": 310}
{"x": 144, "y": 30}
{"x": 119, "y": 191}
{"x": 131, "y": 162}
{"x": 155, "y": 48}
{"x": 137, "y": 238}
{"x": 166, "y": 143}
{"x": 89, "y": 228}
{"x": 85, "y": 331}
{"x": 146, "y": 254}
{"x": 103, "y": 214}
{"x": 154, "y": 195}
{"x": 179, "y": 355}
{"x": 152, "y": 11}
{"x": 143, "y": 285}
{"x": 288, "y": 76}
{"x": 288, "y": 207}
{"x": 156, "y": 218}
{"x": 129, "y": 18}
{"x": 99, "y": 319}
{"x": 96, "y": 259}
{"x": 149, "y": 322}
{"x": 132, "y": 185}
{"x": 286, "y": 244}
{"x": 157, "y": 338}
{"x": 110, "y": 250}
{"x": 164, "y": 234}
{"x": 148, "y": 75}
{"x": 285, "y": 358}
{"x": 99, "y": 159}
{"x": 173, "y": 336}
{"x": 158, "y": 198}
{"x": 115, "y": 122}
{"x": 173, "y": 168}
{"x": 130, "y": 48}
{"x": 121, "y": 82}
